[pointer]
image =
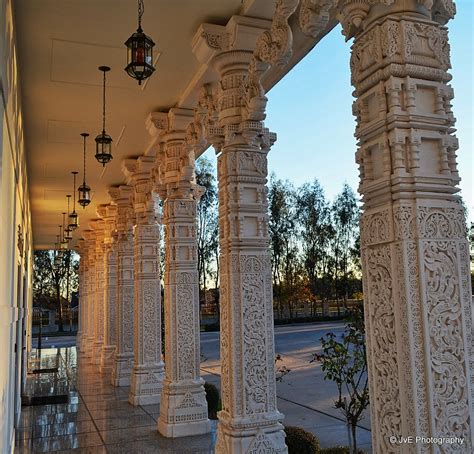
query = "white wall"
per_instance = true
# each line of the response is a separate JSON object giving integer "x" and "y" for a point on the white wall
{"x": 15, "y": 223}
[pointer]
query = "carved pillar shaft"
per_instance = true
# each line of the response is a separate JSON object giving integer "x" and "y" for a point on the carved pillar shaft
{"x": 99, "y": 295}
{"x": 123, "y": 360}
{"x": 183, "y": 409}
{"x": 90, "y": 299}
{"x": 148, "y": 368}
{"x": 80, "y": 323}
{"x": 249, "y": 419}
{"x": 109, "y": 212}
{"x": 415, "y": 257}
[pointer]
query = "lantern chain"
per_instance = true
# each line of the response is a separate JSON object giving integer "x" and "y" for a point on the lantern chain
{"x": 141, "y": 10}
{"x": 103, "y": 107}
{"x": 84, "y": 182}
{"x": 74, "y": 191}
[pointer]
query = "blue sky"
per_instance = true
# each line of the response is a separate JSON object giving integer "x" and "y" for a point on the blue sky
{"x": 311, "y": 111}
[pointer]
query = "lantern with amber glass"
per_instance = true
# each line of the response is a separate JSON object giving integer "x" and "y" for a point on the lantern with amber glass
{"x": 84, "y": 191}
{"x": 139, "y": 51}
{"x": 73, "y": 217}
{"x": 103, "y": 142}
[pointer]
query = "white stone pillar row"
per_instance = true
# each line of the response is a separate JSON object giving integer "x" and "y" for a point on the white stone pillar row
{"x": 415, "y": 255}
{"x": 98, "y": 227}
{"x": 123, "y": 361}
{"x": 89, "y": 237}
{"x": 80, "y": 326}
{"x": 249, "y": 420}
{"x": 183, "y": 408}
{"x": 84, "y": 299}
{"x": 108, "y": 213}
{"x": 148, "y": 368}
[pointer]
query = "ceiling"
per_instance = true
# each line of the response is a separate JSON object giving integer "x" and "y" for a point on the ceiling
{"x": 60, "y": 45}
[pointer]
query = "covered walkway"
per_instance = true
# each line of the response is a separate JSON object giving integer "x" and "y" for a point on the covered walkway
{"x": 97, "y": 418}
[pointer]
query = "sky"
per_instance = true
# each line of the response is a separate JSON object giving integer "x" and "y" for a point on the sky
{"x": 310, "y": 109}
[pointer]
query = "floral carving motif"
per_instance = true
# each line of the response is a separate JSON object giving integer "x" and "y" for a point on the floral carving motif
{"x": 441, "y": 223}
{"x": 447, "y": 344}
{"x": 375, "y": 228}
{"x": 186, "y": 326}
{"x": 314, "y": 15}
{"x": 383, "y": 355}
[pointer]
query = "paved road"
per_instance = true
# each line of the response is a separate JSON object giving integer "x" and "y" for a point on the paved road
{"x": 298, "y": 341}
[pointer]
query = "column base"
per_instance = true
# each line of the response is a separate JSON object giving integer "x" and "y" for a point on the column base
{"x": 96, "y": 352}
{"x": 122, "y": 369}
{"x": 183, "y": 410}
{"x": 266, "y": 434}
{"x": 146, "y": 384}
{"x": 86, "y": 349}
{"x": 79, "y": 341}
{"x": 107, "y": 359}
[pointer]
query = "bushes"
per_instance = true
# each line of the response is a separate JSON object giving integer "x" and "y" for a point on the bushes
{"x": 213, "y": 399}
{"x": 339, "y": 450}
{"x": 299, "y": 441}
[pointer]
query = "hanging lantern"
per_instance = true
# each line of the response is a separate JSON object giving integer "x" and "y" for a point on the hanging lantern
{"x": 57, "y": 258}
{"x": 139, "y": 51}
{"x": 84, "y": 191}
{"x": 67, "y": 230}
{"x": 73, "y": 218}
{"x": 103, "y": 142}
{"x": 63, "y": 241}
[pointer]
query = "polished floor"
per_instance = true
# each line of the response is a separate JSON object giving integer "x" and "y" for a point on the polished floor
{"x": 97, "y": 417}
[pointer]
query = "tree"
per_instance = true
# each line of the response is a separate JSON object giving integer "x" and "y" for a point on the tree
{"x": 345, "y": 218}
{"x": 315, "y": 230}
{"x": 207, "y": 240}
{"x": 55, "y": 276}
{"x": 345, "y": 363}
{"x": 281, "y": 226}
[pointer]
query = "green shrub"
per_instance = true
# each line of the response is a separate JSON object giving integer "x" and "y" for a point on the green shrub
{"x": 339, "y": 450}
{"x": 213, "y": 399}
{"x": 299, "y": 441}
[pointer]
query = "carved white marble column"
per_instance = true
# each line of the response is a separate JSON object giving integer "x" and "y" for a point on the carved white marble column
{"x": 415, "y": 256}
{"x": 232, "y": 121}
{"x": 148, "y": 368}
{"x": 89, "y": 237}
{"x": 183, "y": 409}
{"x": 123, "y": 361}
{"x": 98, "y": 227}
{"x": 108, "y": 213}
{"x": 80, "y": 315}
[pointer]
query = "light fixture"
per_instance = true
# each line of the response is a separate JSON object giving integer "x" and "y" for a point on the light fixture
{"x": 67, "y": 230}
{"x": 73, "y": 217}
{"x": 103, "y": 142}
{"x": 84, "y": 191}
{"x": 57, "y": 258}
{"x": 139, "y": 51}
{"x": 63, "y": 241}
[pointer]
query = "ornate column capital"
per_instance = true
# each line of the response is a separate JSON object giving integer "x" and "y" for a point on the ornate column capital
{"x": 356, "y": 15}
{"x": 174, "y": 171}
{"x": 139, "y": 177}
{"x": 108, "y": 213}
{"x": 122, "y": 197}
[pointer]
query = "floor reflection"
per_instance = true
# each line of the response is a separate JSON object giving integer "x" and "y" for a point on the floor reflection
{"x": 97, "y": 417}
